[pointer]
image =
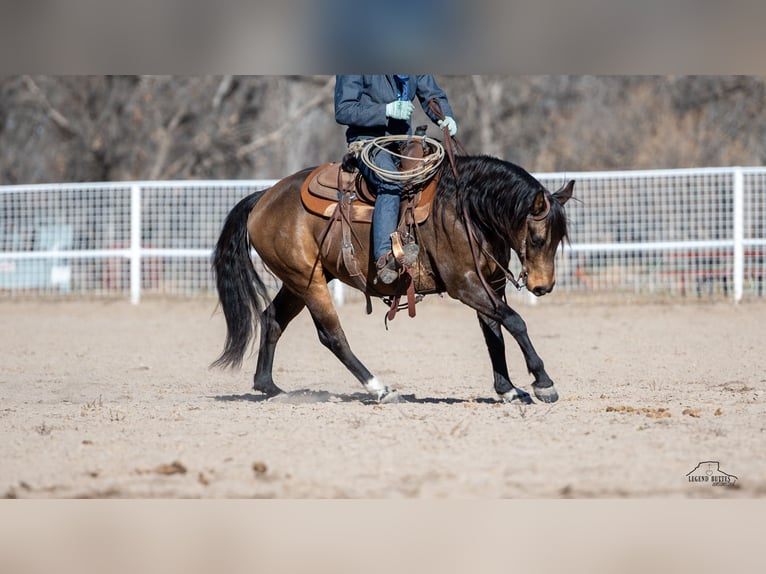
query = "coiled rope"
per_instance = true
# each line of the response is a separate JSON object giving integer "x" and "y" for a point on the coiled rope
{"x": 424, "y": 169}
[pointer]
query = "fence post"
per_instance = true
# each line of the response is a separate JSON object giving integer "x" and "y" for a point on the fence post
{"x": 135, "y": 245}
{"x": 739, "y": 234}
{"x": 338, "y": 291}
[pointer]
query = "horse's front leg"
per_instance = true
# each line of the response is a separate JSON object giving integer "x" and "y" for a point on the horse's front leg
{"x": 543, "y": 385}
{"x": 493, "y": 336}
{"x": 471, "y": 292}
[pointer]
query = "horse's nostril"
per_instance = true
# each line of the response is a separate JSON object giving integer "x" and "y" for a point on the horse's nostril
{"x": 540, "y": 291}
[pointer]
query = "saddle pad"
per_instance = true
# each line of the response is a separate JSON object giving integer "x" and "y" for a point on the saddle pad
{"x": 319, "y": 194}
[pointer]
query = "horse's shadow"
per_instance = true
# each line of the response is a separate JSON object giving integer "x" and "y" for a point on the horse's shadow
{"x": 308, "y": 396}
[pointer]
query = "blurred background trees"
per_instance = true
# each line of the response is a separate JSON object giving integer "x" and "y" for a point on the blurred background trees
{"x": 99, "y": 128}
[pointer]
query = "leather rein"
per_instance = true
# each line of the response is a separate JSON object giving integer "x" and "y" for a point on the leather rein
{"x": 450, "y": 143}
{"x": 521, "y": 282}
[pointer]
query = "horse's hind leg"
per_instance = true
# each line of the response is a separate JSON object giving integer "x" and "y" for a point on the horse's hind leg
{"x": 493, "y": 336}
{"x": 331, "y": 335}
{"x": 283, "y": 309}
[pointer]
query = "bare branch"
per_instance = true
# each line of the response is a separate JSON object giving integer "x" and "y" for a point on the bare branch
{"x": 56, "y": 117}
{"x": 279, "y": 133}
{"x": 165, "y": 142}
{"x": 220, "y": 93}
{"x": 488, "y": 95}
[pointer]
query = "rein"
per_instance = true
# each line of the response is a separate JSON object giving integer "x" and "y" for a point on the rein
{"x": 450, "y": 143}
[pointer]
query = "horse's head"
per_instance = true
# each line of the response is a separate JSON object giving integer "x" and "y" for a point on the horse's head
{"x": 545, "y": 228}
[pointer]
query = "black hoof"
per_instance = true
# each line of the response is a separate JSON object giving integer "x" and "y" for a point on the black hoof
{"x": 270, "y": 390}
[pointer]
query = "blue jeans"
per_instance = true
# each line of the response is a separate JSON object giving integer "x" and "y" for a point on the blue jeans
{"x": 385, "y": 217}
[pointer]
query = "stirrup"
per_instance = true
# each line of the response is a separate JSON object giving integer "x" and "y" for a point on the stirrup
{"x": 387, "y": 268}
{"x": 406, "y": 255}
{"x": 409, "y": 254}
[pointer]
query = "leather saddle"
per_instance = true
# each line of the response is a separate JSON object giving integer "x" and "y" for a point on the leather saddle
{"x": 324, "y": 186}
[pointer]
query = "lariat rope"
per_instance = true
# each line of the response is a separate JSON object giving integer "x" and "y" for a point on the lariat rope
{"x": 424, "y": 170}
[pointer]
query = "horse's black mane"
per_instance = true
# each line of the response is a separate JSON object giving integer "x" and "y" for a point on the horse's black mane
{"x": 497, "y": 194}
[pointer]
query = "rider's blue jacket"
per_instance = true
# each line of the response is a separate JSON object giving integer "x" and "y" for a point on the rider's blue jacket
{"x": 360, "y": 103}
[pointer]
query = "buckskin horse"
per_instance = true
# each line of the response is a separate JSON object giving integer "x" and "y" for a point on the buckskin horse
{"x": 482, "y": 208}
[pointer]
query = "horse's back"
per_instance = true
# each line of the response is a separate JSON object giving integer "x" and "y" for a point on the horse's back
{"x": 279, "y": 211}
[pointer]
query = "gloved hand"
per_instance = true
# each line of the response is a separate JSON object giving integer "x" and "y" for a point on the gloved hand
{"x": 450, "y": 124}
{"x": 400, "y": 110}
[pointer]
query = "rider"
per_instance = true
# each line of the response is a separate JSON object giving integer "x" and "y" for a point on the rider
{"x": 379, "y": 105}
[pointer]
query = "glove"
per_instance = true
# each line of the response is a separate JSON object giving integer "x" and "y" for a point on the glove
{"x": 400, "y": 110}
{"x": 450, "y": 124}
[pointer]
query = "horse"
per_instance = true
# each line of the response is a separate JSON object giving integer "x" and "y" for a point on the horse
{"x": 482, "y": 209}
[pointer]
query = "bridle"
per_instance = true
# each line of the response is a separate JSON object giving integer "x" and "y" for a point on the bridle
{"x": 542, "y": 216}
{"x": 521, "y": 282}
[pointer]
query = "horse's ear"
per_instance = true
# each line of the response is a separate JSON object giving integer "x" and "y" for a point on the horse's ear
{"x": 538, "y": 204}
{"x": 565, "y": 193}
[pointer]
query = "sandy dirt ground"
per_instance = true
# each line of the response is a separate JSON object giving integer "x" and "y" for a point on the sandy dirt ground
{"x": 104, "y": 399}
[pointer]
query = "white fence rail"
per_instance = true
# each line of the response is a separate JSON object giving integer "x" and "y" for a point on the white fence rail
{"x": 677, "y": 233}
{"x": 113, "y": 238}
{"x": 674, "y": 232}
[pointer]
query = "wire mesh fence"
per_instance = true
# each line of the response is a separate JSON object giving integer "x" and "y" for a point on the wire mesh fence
{"x": 114, "y": 239}
{"x": 674, "y": 233}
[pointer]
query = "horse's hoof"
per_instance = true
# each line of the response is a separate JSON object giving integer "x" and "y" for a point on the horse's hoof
{"x": 388, "y": 396}
{"x": 546, "y": 394}
{"x": 516, "y": 395}
{"x": 270, "y": 391}
{"x": 381, "y": 392}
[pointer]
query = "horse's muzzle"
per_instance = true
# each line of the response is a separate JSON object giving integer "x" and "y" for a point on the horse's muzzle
{"x": 541, "y": 290}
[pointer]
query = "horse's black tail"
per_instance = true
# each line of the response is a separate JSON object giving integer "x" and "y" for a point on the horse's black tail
{"x": 241, "y": 292}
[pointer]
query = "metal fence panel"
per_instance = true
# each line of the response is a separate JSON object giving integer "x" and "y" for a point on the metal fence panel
{"x": 664, "y": 232}
{"x": 676, "y": 233}
{"x": 754, "y": 230}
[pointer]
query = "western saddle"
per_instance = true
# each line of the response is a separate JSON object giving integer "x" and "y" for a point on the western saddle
{"x": 338, "y": 192}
